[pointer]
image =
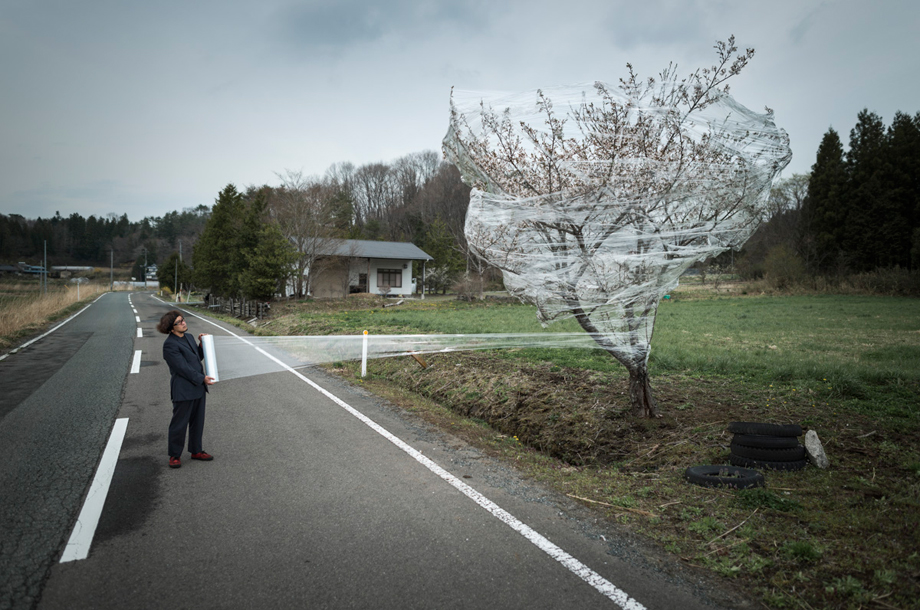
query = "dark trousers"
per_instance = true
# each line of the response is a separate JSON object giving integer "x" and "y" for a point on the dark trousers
{"x": 186, "y": 414}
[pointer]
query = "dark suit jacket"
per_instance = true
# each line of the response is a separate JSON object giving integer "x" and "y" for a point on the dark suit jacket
{"x": 184, "y": 355}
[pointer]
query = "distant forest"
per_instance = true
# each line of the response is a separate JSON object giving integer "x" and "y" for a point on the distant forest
{"x": 857, "y": 211}
{"x": 418, "y": 198}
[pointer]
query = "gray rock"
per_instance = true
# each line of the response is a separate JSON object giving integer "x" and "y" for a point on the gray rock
{"x": 815, "y": 450}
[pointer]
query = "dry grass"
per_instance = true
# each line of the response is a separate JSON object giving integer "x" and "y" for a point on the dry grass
{"x": 24, "y": 309}
{"x": 839, "y": 538}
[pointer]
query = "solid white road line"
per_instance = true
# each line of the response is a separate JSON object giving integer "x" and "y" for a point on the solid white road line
{"x": 601, "y": 584}
{"x": 28, "y": 343}
{"x": 140, "y": 333}
{"x": 83, "y": 530}
{"x": 136, "y": 363}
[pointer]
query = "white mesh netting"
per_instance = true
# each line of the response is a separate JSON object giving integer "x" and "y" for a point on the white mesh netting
{"x": 593, "y": 200}
{"x": 234, "y": 357}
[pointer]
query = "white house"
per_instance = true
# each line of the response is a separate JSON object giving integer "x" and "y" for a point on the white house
{"x": 355, "y": 265}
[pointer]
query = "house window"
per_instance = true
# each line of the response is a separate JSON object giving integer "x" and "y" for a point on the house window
{"x": 389, "y": 277}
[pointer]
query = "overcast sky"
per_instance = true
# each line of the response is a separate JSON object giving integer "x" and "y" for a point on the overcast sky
{"x": 147, "y": 107}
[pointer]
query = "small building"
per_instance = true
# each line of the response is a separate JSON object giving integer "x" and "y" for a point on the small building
{"x": 353, "y": 265}
{"x": 31, "y": 269}
{"x": 66, "y": 271}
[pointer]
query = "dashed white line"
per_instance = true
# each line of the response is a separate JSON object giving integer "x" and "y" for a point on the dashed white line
{"x": 136, "y": 363}
{"x": 601, "y": 584}
{"x": 137, "y": 319}
{"x": 82, "y": 535}
{"x": 140, "y": 333}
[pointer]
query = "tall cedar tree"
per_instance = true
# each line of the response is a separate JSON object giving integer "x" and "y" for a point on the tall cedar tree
{"x": 218, "y": 255}
{"x": 871, "y": 213}
{"x": 824, "y": 212}
{"x": 268, "y": 264}
{"x": 903, "y": 181}
{"x": 238, "y": 255}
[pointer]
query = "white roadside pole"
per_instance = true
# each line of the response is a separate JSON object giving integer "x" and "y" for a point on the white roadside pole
{"x": 364, "y": 356}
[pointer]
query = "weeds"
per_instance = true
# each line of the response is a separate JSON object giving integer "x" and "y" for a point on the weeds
{"x": 24, "y": 308}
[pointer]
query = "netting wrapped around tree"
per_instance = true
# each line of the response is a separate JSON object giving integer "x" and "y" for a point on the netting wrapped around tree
{"x": 592, "y": 200}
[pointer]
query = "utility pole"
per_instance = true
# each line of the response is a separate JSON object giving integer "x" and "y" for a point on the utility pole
{"x": 112, "y": 269}
{"x": 145, "y": 268}
{"x": 45, "y": 271}
{"x": 176, "y": 284}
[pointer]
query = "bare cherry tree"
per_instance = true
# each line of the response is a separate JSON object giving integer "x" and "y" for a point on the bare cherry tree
{"x": 595, "y": 211}
{"x": 305, "y": 211}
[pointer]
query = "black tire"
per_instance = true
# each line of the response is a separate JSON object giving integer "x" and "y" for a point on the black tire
{"x": 790, "y": 454}
{"x": 745, "y": 427}
{"x": 746, "y": 463}
{"x": 720, "y": 475}
{"x": 766, "y": 442}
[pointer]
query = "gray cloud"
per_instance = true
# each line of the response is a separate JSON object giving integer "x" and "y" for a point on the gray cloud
{"x": 336, "y": 26}
{"x": 654, "y": 22}
{"x": 144, "y": 108}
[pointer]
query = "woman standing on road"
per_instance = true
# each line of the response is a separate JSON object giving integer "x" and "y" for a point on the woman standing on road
{"x": 188, "y": 387}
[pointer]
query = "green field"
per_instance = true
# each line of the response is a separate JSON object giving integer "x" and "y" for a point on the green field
{"x": 864, "y": 351}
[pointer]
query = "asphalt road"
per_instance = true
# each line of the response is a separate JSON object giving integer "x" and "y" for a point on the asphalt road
{"x": 313, "y": 500}
{"x": 58, "y": 400}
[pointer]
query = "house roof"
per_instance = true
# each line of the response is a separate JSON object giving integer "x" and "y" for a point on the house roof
{"x": 361, "y": 248}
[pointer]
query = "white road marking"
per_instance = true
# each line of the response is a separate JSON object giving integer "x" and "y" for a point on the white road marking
{"x": 85, "y": 528}
{"x": 601, "y": 584}
{"x": 140, "y": 333}
{"x": 137, "y": 318}
{"x": 28, "y": 343}
{"x": 136, "y": 363}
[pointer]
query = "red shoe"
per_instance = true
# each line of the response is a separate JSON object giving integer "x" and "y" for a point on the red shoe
{"x": 174, "y": 462}
{"x": 202, "y": 456}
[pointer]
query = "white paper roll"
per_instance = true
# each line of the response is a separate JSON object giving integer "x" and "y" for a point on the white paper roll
{"x": 210, "y": 357}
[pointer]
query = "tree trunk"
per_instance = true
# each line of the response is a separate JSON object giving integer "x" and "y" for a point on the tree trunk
{"x": 640, "y": 393}
{"x": 640, "y": 390}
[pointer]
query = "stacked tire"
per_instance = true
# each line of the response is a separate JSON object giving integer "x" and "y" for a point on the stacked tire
{"x": 773, "y": 446}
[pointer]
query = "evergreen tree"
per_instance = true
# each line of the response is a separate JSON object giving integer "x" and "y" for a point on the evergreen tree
{"x": 217, "y": 257}
{"x": 824, "y": 209}
{"x": 440, "y": 244}
{"x": 167, "y": 273}
{"x": 871, "y": 213}
{"x": 902, "y": 180}
{"x": 238, "y": 255}
{"x": 268, "y": 264}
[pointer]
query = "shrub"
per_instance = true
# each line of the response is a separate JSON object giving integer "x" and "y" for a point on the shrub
{"x": 783, "y": 267}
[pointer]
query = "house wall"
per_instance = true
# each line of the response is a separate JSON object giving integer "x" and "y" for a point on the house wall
{"x": 376, "y": 264}
{"x": 331, "y": 284}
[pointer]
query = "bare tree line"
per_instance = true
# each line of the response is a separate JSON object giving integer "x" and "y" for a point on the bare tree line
{"x": 416, "y": 198}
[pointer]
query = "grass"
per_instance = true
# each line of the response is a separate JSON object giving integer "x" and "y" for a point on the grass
{"x": 844, "y": 366}
{"x": 863, "y": 350}
{"x": 24, "y": 308}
